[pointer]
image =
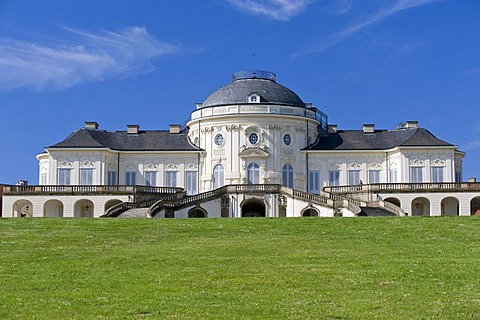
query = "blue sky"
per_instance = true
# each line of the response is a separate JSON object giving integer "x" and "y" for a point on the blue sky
{"x": 148, "y": 62}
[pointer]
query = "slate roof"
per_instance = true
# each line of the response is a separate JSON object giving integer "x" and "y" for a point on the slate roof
{"x": 238, "y": 91}
{"x": 379, "y": 140}
{"x": 155, "y": 140}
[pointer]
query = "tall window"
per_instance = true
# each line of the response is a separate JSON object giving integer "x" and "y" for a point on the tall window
{"x": 334, "y": 178}
{"x": 373, "y": 176}
{"x": 314, "y": 182}
{"x": 392, "y": 175}
{"x": 253, "y": 173}
{"x": 353, "y": 177}
{"x": 437, "y": 174}
{"x": 458, "y": 176}
{"x": 86, "y": 176}
{"x": 288, "y": 176}
{"x": 218, "y": 180}
{"x": 191, "y": 182}
{"x": 416, "y": 174}
{"x": 112, "y": 178}
{"x": 170, "y": 178}
{"x": 130, "y": 178}
{"x": 150, "y": 178}
{"x": 43, "y": 179}
{"x": 64, "y": 176}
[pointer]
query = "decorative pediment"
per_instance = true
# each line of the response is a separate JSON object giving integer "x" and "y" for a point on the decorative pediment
{"x": 438, "y": 163}
{"x": 191, "y": 167}
{"x": 354, "y": 166}
{"x": 87, "y": 164}
{"x": 253, "y": 153}
{"x": 150, "y": 167}
{"x": 374, "y": 166}
{"x": 171, "y": 167}
{"x": 65, "y": 164}
{"x": 417, "y": 163}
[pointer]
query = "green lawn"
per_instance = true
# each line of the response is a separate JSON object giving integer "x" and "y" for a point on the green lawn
{"x": 294, "y": 268}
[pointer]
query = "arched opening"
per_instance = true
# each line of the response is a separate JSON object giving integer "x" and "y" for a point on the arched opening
{"x": 475, "y": 206}
{"x": 450, "y": 206}
{"x": 310, "y": 212}
{"x": 420, "y": 207}
{"x": 218, "y": 176}
{"x": 110, "y": 203}
{"x": 253, "y": 208}
{"x": 287, "y": 174}
{"x": 83, "y": 209}
{"x": 197, "y": 213}
{"x": 253, "y": 173}
{"x": 22, "y": 208}
{"x": 53, "y": 209}
{"x": 394, "y": 201}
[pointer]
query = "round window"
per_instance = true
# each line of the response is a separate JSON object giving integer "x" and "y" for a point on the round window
{"x": 219, "y": 139}
{"x": 287, "y": 139}
{"x": 253, "y": 138}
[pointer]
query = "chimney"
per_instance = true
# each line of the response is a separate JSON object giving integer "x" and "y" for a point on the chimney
{"x": 91, "y": 125}
{"x": 175, "y": 128}
{"x": 411, "y": 124}
{"x": 198, "y": 105}
{"x": 472, "y": 179}
{"x": 368, "y": 128}
{"x": 132, "y": 128}
{"x": 332, "y": 128}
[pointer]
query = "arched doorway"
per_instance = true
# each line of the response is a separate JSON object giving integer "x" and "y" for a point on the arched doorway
{"x": 310, "y": 212}
{"x": 394, "y": 201}
{"x": 197, "y": 213}
{"x": 110, "y": 203}
{"x": 450, "y": 206}
{"x": 253, "y": 208}
{"x": 83, "y": 209}
{"x": 420, "y": 207}
{"x": 475, "y": 206}
{"x": 53, "y": 209}
{"x": 22, "y": 208}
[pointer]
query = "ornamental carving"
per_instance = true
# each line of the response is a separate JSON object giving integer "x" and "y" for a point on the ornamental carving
{"x": 171, "y": 167}
{"x": 354, "y": 166}
{"x": 417, "y": 163}
{"x": 191, "y": 167}
{"x": 438, "y": 163}
{"x": 65, "y": 164}
{"x": 207, "y": 129}
{"x": 233, "y": 127}
{"x": 374, "y": 166}
{"x": 300, "y": 129}
{"x": 274, "y": 127}
{"x": 112, "y": 166}
{"x": 150, "y": 167}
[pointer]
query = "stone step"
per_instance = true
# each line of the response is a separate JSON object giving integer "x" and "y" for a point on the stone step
{"x": 134, "y": 213}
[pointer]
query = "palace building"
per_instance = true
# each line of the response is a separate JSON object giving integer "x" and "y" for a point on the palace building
{"x": 252, "y": 148}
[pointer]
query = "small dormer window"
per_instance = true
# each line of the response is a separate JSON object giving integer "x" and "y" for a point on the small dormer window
{"x": 254, "y": 98}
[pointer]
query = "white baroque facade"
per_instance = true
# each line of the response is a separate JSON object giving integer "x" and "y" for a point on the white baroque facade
{"x": 252, "y": 148}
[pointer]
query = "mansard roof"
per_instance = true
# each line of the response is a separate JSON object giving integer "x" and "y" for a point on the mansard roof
{"x": 378, "y": 140}
{"x": 150, "y": 140}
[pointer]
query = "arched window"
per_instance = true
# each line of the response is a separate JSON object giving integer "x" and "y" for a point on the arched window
{"x": 288, "y": 176}
{"x": 253, "y": 173}
{"x": 218, "y": 180}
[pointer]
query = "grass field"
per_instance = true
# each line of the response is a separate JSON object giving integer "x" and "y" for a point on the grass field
{"x": 305, "y": 268}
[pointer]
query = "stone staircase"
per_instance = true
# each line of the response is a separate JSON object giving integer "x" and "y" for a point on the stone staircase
{"x": 134, "y": 213}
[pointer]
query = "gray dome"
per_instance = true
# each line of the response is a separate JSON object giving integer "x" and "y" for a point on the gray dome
{"x": 246, "y": 83}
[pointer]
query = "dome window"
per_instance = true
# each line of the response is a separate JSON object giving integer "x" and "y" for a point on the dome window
{"x": 253, "y": 138}
{"x": 254, "y": 98}
{"x": 219, "y": 140}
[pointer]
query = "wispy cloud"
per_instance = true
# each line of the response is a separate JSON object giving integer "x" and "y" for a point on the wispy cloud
{"x": 470, "y": 145}
{"x": 83, "y": 57}
{"x": 341, "y": 6}
{"x": 382, "y": 14}
{"x": 274, "y": 9}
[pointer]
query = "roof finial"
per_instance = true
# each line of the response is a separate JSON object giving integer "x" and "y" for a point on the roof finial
{"x": 254, "y": 71}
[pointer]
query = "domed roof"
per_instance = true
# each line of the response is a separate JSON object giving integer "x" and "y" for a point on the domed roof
{"x": 247, "y": 83}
